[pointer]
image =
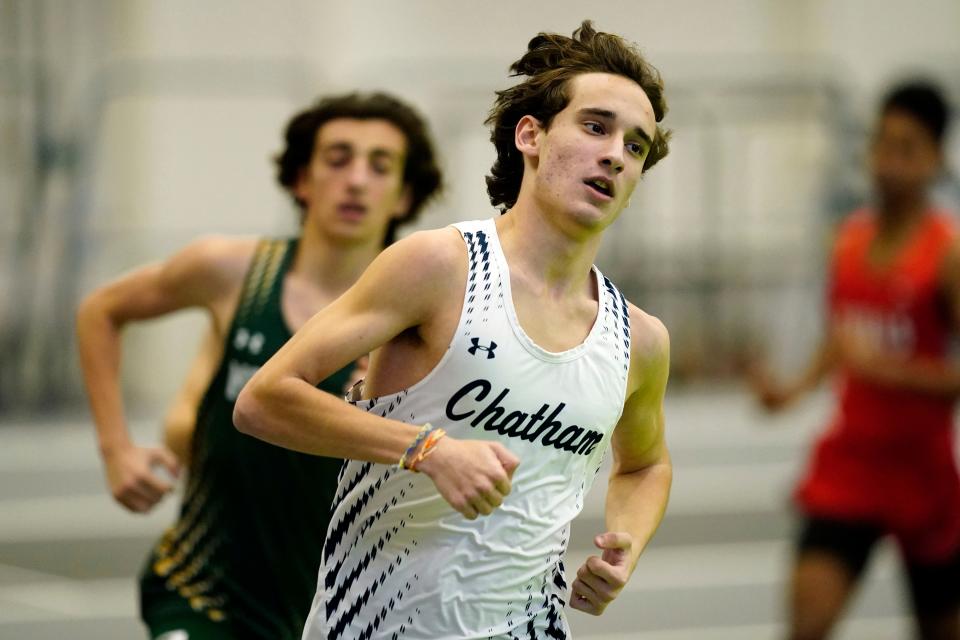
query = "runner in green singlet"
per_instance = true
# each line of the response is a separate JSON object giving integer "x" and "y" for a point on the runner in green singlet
{"x": 241, "y": 560}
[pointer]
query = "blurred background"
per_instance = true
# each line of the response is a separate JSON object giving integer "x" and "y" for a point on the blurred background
{"x": 129, "y": 128}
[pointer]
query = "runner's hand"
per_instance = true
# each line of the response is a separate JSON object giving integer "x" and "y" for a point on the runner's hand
{"x": 473, "y": 476}
{"x": 601, "y": 579}
{"x": 772, "y": 395}
{"x": 132, "y": 477}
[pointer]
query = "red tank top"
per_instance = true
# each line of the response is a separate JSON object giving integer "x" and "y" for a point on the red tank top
{"x": 888, "y": 456}
{"x": 899, "y": 308}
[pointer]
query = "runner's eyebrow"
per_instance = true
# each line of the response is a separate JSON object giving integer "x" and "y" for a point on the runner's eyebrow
{"x": 382, "y": 152}
{"x": 376, "y": 152}
{"x": 337, "y": 146}
{"x": 606, "y": 114}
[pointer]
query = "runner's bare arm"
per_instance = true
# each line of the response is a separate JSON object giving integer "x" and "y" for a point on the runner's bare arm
{"x": 204, "y": 274}
{"x": 642, "y": 473}
{"x": 776, "y": 394}
{"x": 180, "y": 421}
{"x": 401, "y": 290}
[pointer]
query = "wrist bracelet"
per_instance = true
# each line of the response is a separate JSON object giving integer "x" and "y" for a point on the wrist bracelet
{"x": 421, "y": 447}
{"x": 429, "y": 444}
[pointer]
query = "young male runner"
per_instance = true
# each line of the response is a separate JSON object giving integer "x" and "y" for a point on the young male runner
{"x": 241, "y": 560}
{"x": 886, "y": 465}
{"x": 501, "y": 334}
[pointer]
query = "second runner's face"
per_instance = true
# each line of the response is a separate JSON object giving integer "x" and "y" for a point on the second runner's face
{"x": 353, "y": 185}
{"x": 591, "y": 156}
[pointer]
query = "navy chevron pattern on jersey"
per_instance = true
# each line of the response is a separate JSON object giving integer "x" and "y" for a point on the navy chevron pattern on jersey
{"x": 398, "y": 561}
{"x": 619, "y": 307}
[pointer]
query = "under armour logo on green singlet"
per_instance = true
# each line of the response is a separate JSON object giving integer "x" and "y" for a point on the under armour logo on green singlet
{"x": 251, "y": 342}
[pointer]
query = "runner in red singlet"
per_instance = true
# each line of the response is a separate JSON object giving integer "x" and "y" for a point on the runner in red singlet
{"x": 885, "y": 466}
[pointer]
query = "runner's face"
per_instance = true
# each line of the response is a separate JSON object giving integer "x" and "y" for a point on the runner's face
{"x": 590, "y": 158}
{"x": 904, "y": 157}
{"x": 353, "y": 185}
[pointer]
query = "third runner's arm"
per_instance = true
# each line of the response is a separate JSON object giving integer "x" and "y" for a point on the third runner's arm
{"x": 776, "y": 395}
{"x": 403, "y": 289}
{"x": 641, "y": 476}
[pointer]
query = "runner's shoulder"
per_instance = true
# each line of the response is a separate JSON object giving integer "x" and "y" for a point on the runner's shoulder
{"x": 216, "y": 263}
{"x": 649, "y": 345}
{"x": 436, "y": 258}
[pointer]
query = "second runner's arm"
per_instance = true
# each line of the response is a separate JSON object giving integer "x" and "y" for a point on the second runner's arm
{"x": 197, "y": 276}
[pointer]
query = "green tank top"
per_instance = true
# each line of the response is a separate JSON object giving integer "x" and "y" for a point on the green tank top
{"x": 246, "y": 547}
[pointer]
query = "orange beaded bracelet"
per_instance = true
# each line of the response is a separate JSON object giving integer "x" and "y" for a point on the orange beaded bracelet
{"x": 421, "y": 447}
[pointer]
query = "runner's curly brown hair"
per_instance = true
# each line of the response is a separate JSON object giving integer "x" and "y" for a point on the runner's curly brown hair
{"x": 420, "y": 172}
{"x": 550, "y": 62}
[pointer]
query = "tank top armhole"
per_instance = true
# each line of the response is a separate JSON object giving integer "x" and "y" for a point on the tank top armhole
{"x": 619, "y": 302}
{"x": 253, "y": 282}
{"x": 369, "y": 403}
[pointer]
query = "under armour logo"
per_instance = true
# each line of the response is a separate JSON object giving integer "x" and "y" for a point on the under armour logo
{"x": 479, "y": 347}
{"x": 251, "y": 342}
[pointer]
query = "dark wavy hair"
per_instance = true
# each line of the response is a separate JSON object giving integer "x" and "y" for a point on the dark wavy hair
{"x": 550, "y": 62}
{"x": 420, "y": 171}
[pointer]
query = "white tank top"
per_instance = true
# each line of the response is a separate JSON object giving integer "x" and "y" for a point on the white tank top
{"x": 398, "y": 561}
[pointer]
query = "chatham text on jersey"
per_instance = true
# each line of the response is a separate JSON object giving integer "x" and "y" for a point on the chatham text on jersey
{"x": 520, "y": 424}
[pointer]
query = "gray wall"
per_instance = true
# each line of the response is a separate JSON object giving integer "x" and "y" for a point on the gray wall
{"x": 137, "y": 126}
